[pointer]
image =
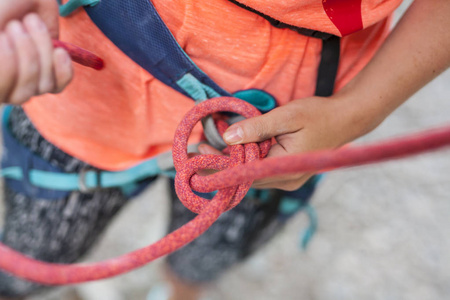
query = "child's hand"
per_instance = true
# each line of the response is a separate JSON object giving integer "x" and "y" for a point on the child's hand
{"x": 414, "y": 53}
{"x": 299, "y": 126}
{"x": 30, "y": 64}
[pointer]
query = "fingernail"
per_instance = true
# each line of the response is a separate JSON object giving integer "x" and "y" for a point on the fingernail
{"x": 233, "y": 135}
{"x": 35, "y": 22}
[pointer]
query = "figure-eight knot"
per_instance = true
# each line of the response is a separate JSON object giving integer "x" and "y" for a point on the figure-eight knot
{"x": 187, "y": 179}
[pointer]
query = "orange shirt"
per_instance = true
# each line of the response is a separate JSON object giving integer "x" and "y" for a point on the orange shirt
{"x": 115, "y": 118}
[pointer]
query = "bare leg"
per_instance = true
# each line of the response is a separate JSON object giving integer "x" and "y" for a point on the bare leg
{"x": 182, "y": 290}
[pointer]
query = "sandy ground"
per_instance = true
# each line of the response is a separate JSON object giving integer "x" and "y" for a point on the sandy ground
{"x": 384, "y": 231}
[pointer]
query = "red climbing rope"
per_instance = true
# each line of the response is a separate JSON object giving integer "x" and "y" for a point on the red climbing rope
{"x": 245, "y": 166}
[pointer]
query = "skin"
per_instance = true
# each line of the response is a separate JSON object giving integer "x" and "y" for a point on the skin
{"x": 414, "y": 54}
{"x": 30, "y": 64}
{"x": 181, "y": 289}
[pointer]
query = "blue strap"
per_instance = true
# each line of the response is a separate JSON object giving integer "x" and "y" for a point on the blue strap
{"x": 136, "y": 28}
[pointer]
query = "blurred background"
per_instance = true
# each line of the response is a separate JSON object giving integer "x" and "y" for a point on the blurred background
{"x": 384, "y": 230}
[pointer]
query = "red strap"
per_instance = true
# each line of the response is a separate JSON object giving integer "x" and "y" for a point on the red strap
{"x": 345, "y": 15}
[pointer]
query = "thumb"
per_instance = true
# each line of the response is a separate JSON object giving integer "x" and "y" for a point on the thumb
{"x": 279, "y": 121}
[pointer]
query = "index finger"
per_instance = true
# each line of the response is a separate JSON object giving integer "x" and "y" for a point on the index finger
{"x": 281, "y": 120}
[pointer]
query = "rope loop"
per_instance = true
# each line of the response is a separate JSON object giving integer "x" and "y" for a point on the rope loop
{"x": 187, "y": 180}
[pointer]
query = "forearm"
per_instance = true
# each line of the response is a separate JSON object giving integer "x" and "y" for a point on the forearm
{"x": 416, "y": 51}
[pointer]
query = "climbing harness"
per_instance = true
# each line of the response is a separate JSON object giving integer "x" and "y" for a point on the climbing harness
{"x": 168, "y": 63}
{"x": 140, "y": 33}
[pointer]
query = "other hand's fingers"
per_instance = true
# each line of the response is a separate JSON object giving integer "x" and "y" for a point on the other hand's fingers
{"x": 48, "y": 10}
{"x": 8, "y": 70}
{"x": 43, "y": 42}
{"x": 63, "y": 68}
{"x": 279, "y": 121}
{"x": 286, "y": 183}
{"x": 27, "y": 78}
{"x": 207, "y": 149}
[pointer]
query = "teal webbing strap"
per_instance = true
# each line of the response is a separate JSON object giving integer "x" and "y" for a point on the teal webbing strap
{"x": 201, "y": 92}
{"x": 309, "y": 233}
{"x": 72, "y": 5}
{"x": 89, "y": 179}
{"x": 12, "y": 172}
{"x": 291, "y": 205}
{"x": 197, "y": 90}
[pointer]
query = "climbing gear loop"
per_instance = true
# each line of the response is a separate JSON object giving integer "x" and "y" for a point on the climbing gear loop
{"x": 239, "y": 154}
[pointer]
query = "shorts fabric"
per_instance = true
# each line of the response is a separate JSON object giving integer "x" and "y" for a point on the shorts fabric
{"x": 57, "y": 231}
{"x": 63, "y": 230}
{"x": 235, "y": 235}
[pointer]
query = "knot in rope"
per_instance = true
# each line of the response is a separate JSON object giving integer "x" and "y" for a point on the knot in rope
{"x": 187, "y": 180}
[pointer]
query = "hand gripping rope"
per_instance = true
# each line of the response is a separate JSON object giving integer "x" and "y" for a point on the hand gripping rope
{"x": 239, "y": 170}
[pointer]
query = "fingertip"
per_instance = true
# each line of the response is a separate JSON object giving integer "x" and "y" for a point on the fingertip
{"x": 33, "y": 22}
{"x": 14, "y": 26}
